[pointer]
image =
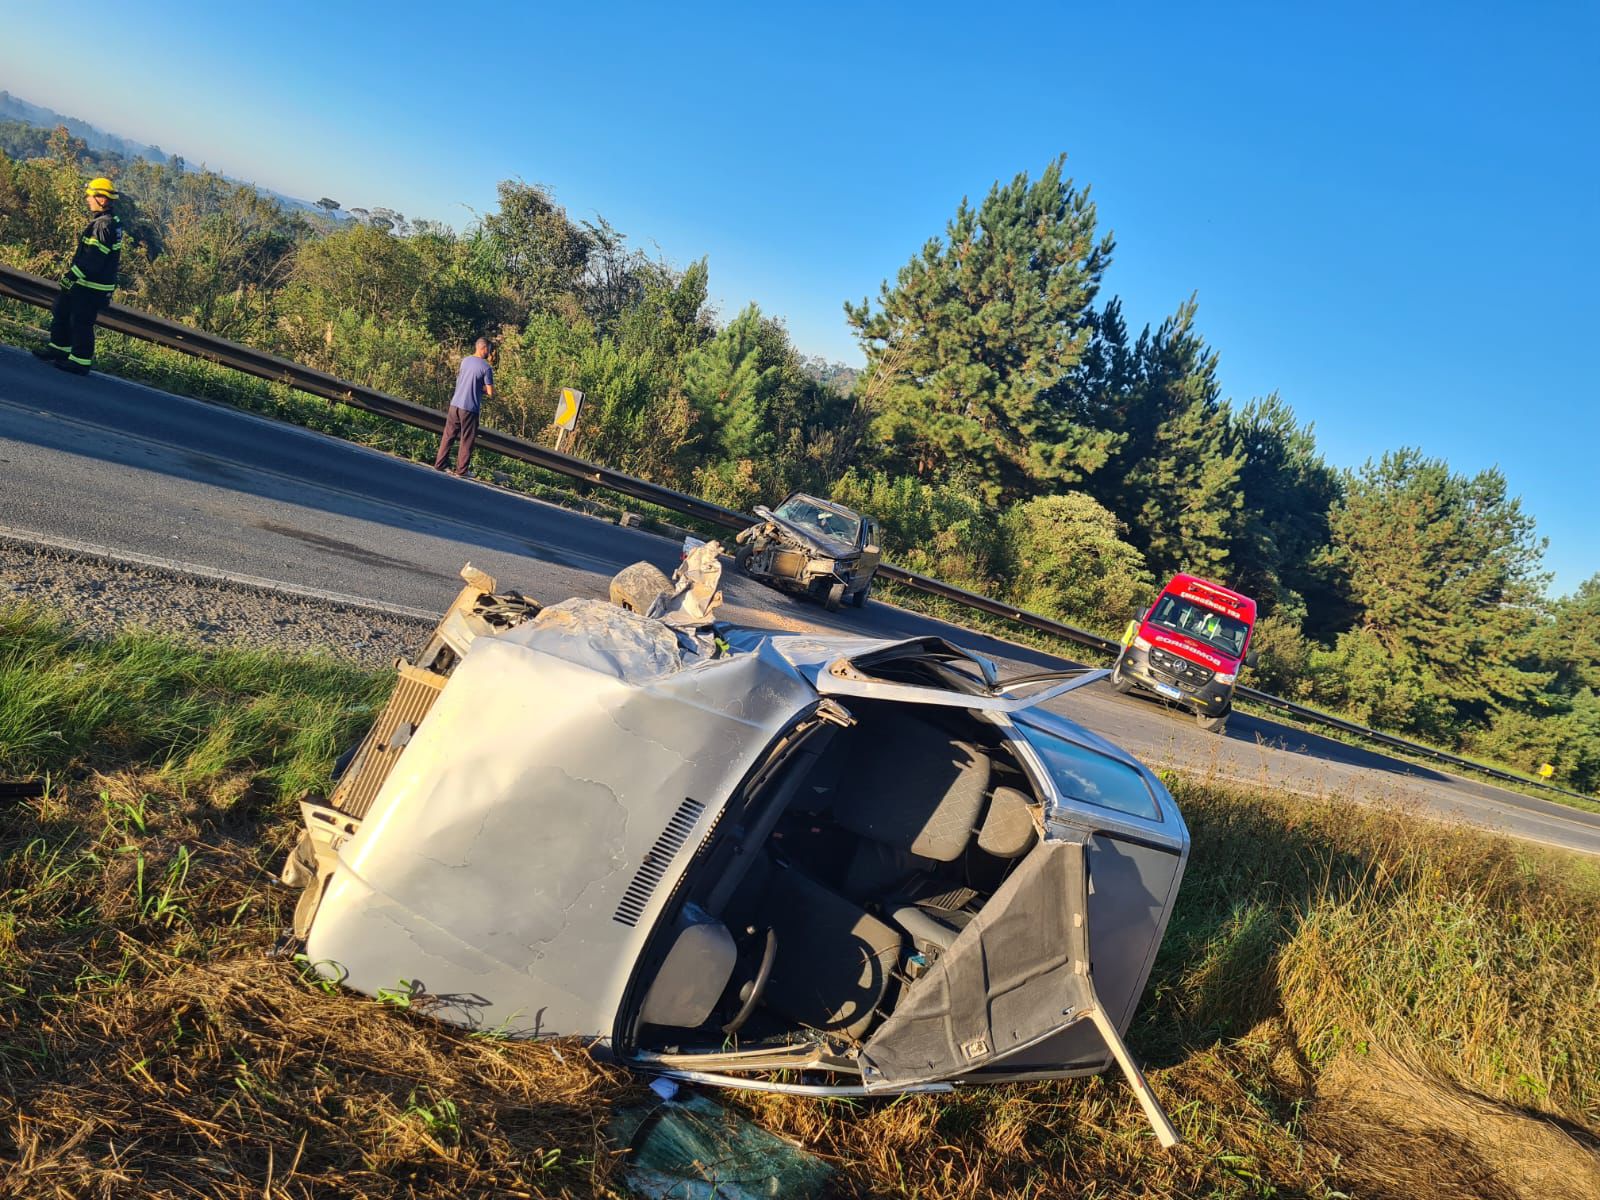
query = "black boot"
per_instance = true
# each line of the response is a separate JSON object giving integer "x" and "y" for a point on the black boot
{"x": 49, "y": 354}
{"x": 70, "y": 367}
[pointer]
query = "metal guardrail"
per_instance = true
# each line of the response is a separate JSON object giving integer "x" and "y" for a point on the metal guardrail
{"x": 21, "y": 285}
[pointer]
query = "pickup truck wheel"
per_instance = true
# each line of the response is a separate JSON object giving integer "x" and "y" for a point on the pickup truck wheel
{"x": 860, "y": 598}
{"x": 835, "y": 596}
{"x": 1121, "y": 682}
{"x": 1212, "y": 724}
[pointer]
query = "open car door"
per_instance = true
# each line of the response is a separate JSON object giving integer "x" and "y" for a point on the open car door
{"x": 1019, "y": 973}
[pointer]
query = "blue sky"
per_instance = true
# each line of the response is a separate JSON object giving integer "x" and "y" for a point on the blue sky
{"x": 1389, "y": 213}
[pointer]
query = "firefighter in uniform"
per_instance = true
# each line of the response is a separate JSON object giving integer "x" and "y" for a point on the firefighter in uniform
{"x": 87, "y": 286}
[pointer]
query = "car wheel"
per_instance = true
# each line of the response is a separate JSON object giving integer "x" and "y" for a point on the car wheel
{"x": 1212, "y": 724}
{"x": 860, "y": 598}
{"x": 741, "y": 557}
{"x": 636, "y": 588}
{"x": 1120, "y": 681}
{"x": 834, "y": 597}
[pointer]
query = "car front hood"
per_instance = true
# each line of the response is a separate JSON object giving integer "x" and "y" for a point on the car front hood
{"x": 519, "y": 851}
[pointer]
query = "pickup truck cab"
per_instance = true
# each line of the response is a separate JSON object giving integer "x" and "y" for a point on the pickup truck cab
{"x": 1189, "y": 647}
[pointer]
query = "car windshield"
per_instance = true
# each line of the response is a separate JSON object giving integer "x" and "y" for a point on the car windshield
{"x": 1215, "y": 629}
{"x": 1089, "y": 777}
{"x": 809, "y": 515}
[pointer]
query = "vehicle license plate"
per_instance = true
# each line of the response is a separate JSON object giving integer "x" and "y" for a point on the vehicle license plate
{"x": 1170, "y": 692}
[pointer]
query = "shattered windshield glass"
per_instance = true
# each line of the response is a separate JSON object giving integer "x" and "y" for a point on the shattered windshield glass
{"x": 812, "y": 516}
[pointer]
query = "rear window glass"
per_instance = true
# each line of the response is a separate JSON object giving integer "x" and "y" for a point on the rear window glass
{"x": 1087, "y": 776}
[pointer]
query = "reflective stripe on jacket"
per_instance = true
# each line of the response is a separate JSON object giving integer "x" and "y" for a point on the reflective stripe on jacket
{"x": 99, "y": 253}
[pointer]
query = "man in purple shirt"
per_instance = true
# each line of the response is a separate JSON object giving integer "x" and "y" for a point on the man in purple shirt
{"x": 474, "y": 381}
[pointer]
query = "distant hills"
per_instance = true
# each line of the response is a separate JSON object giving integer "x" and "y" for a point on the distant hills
{"x": 15, "y": 108}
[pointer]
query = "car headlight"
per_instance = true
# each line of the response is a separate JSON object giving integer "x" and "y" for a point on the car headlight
{"x": 823, "y": 566}
{"x": 1221, "y": 678}
{"x": 1140, "y": 643}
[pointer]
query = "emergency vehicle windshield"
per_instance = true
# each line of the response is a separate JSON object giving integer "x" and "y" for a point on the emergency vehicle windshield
{"x": 1217, "y": 630}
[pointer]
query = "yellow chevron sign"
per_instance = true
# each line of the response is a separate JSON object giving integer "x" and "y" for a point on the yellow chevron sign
{"x": 567, "y": 408}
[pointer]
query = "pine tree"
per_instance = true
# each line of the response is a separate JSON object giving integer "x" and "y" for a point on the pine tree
{"x": 978, "y": 328}
{"x": 1286, "y": 492}
{"x": 1172, "y": 472}
{"x": 731, "y": 381}
{"x": 1445, "y": 572}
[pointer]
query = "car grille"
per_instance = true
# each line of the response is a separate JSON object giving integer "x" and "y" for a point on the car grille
{"x": 1180, "y": 668}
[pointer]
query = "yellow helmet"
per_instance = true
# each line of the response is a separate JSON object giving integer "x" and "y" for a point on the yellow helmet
{"x": 100, "y": 187}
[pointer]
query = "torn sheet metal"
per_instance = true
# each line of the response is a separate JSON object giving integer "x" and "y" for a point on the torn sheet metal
{"x": 694, "y": 598}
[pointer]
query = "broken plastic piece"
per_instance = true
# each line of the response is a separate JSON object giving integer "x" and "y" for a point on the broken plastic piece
{"x": 664, "y": 1087}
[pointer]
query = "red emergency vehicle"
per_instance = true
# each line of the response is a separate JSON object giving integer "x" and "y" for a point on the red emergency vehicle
{"x": 1189, "y": 647}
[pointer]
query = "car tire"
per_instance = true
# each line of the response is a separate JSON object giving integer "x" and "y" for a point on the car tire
{"x": 860, "y": 598}
{"x": 1212, "y": 724}
{"x": 1121, "y": 682}
{"x": 741, "y": 558}
{"x": 636, "y": 588}
{"x": 834, "y": 597}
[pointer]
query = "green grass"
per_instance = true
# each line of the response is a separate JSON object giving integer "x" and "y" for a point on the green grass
{"x": 1348, "y": 1002}
{"x": 193, "y": 717}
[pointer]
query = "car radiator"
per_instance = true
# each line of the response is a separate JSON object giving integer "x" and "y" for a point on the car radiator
{"x": 413, "y": 695}
{"x": 790, "y": 564}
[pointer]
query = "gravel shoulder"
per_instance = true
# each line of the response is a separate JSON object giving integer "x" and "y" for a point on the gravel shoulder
{"x": 104, "y": 596}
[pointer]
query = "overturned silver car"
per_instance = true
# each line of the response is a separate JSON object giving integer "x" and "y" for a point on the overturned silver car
{"x": 830, "y": 865}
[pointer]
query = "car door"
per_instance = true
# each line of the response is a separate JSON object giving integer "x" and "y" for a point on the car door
{"x": 1075, "y": 927}
{"x": 871, "y": 551}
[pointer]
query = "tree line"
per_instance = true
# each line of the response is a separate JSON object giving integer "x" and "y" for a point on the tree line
{"x": 1010, "y": 430}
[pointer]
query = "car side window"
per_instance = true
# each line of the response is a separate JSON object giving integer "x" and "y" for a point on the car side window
{"x": 1089, "y": 777}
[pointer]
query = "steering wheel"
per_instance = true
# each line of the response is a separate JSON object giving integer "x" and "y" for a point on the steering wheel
{"x": 752, "y": 990}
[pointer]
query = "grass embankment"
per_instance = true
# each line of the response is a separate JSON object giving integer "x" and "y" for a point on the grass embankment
{"x": 1347, "y": 1002}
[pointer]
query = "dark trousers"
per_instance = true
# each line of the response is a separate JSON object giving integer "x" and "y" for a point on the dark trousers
{"x": 72, "y": 323}
{"x": 458, "y": 423}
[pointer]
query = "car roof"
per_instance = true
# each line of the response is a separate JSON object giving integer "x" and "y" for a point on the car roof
{"x": 844, "y": 510}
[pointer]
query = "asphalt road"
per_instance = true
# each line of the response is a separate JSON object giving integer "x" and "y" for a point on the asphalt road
{"x": 99, "y": 462}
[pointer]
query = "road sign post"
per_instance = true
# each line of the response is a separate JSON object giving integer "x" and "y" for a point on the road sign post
{"x": 568, "y": 405}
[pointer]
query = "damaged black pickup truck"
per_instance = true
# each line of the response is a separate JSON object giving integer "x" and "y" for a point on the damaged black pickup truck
{"x": 814, "y": 546}
{"x": 820, "y": 864}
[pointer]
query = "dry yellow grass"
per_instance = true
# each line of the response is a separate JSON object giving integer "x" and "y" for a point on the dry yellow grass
{"x": 1349, "y": 1002}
